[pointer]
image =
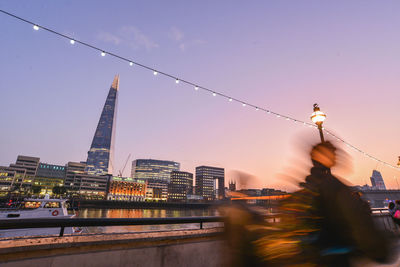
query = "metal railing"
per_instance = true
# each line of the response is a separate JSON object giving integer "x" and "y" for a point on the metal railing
{"x": 87, "y": 222}
{"x": 83, "y": 222}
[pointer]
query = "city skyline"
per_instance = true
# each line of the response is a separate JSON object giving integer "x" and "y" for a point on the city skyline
{"x": 347, "y": 66}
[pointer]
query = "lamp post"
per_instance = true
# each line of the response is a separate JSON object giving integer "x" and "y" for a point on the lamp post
{"x": 318, "y": 118}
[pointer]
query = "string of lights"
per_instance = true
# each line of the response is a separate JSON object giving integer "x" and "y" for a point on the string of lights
{"x": 196, "y": 86}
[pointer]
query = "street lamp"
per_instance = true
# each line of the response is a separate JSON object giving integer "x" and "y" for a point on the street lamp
{"x": 318, "y": 118}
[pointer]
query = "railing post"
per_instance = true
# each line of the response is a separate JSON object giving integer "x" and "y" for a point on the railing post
{"x": 62, "y": 231}
{"x": 201, "y": 225}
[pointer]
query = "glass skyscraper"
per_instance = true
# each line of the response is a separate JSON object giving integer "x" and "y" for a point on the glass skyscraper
{"x": 101, "y": 153}
{"x": 160, "y": 170}
{"x": 377, "y": 180}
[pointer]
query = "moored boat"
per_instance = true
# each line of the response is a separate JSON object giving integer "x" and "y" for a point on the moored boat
{"x": 35, "y": 208}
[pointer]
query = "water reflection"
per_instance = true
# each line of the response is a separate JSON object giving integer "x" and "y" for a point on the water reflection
{"x": 145, "y": 213}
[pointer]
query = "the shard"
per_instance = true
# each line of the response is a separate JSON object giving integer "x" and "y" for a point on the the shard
{"x": 101, "y": 153}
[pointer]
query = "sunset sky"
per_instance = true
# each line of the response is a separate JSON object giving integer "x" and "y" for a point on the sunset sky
{"x": 281, "y": 55}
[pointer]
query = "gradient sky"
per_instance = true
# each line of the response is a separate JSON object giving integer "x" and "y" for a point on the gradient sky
{"x": 281, "y": 55}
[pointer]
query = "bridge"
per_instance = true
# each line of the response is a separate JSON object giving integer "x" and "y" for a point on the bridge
{"x": 200, "y": 246}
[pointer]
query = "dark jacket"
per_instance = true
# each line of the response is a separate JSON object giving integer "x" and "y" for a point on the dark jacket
{"x": 345, "y": 220}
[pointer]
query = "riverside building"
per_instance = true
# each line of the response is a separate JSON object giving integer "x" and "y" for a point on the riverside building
{"x": 126, "y": 189}
{"x": 87, "y": 186}
{"x": 30, "y": 165}
{"x": 210, "y": 182}
{"x": 144, "y": 169}
{"x": 180, "y": 186}
{"x": 48, "y": 176}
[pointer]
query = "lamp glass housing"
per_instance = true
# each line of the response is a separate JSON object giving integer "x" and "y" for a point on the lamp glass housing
{"x": 318, "y": 117}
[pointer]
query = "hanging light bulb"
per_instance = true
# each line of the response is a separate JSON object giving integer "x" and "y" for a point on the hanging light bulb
{"x": 36, "y": 27}
{"x": 196, "y": 88}
{"x": 243, "y": 104}
{"x": 177, "y": 81}
{"x": 257, "y": 108}
{"x": 103, "y": 53}
{"x": 155, "y": 72}
{"x": 72, "y": 41}
{"x": 214, "y": 94}
{"x": 230, "y": 99}
{"x": 131, "y": 63}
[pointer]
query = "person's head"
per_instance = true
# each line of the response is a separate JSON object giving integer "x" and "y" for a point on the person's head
{"x": 391, "y": 205}
{"x": 324, "y": 153}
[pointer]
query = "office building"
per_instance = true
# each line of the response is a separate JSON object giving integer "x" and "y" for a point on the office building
{"x": 126, "y": 189}
{"x": 30, "y": 165}
{"x": 144, "y": 169}
{"x": 49, "y": 176}
{"x": 181, "y": 185}
{"x": 232, "y": 186}
{"x": 101, "y": 153}
{"x": 79, "y": 183}
{"x": 156, "y": 190}
{"x": 7, "y": 179}
{"x": 210, "y": 182}
{"x": 377, "y": 180}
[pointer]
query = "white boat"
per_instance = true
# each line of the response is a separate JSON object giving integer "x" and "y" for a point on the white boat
{"x": 36, "y": 208}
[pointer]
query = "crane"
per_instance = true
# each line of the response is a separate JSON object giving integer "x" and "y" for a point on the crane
{"x": 121, "y": 171}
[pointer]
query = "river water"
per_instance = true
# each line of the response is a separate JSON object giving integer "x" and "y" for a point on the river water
{"x": 144, "y": 213}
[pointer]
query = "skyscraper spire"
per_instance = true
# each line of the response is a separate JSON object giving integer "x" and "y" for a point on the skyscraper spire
{"x": 101, "y": 154}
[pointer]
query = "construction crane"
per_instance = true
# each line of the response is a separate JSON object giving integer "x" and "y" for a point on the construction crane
{"x": 121, "y": 171}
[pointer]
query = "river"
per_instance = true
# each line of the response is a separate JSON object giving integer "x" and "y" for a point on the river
{"x": 144, "y": 213}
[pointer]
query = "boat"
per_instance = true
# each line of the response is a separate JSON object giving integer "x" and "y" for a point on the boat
{"x": 36, "y": 208}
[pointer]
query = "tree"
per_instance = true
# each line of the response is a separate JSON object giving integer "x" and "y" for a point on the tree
{"x": 56, "y": 190}
{"x": 63, "y": 190}
{"x": 36, "y": 189}
{"x": 59, "y": 190}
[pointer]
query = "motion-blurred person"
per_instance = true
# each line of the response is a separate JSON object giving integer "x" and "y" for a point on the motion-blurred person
{"x": 391, "y": 208}
{"x": 394, "y": 211}
{"x": 323, "y": 224}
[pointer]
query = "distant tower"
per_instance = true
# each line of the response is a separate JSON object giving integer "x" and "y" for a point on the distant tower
{"x": 232, "y": 186}
{"x": 101, "y": 153}
{"x": 377, "y": 180}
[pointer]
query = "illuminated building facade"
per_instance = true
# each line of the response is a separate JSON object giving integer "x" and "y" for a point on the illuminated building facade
{"x": 101, "y": 153}
{"x": 181, "y": 185}
{"x": 144, "y": 169}
{"x": 7, "y": 179}
{"x": 126, "y": 189}
{"x": 30, "y": 165}
{"x": 48, "y": 176}
{"x": 79, "y": 183}
{"x": 210, "y": 182}
{"x": 156, "y": 190}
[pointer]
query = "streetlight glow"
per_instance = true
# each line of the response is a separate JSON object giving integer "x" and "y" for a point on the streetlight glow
{"x": 36, "y": 27}
{"x": 318, "y": 118}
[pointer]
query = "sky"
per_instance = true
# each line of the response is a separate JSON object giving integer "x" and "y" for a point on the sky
{"x": 280, "y": 55}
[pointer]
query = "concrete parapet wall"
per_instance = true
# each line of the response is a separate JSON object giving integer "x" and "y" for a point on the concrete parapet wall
{"x": 172, "y": 248}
